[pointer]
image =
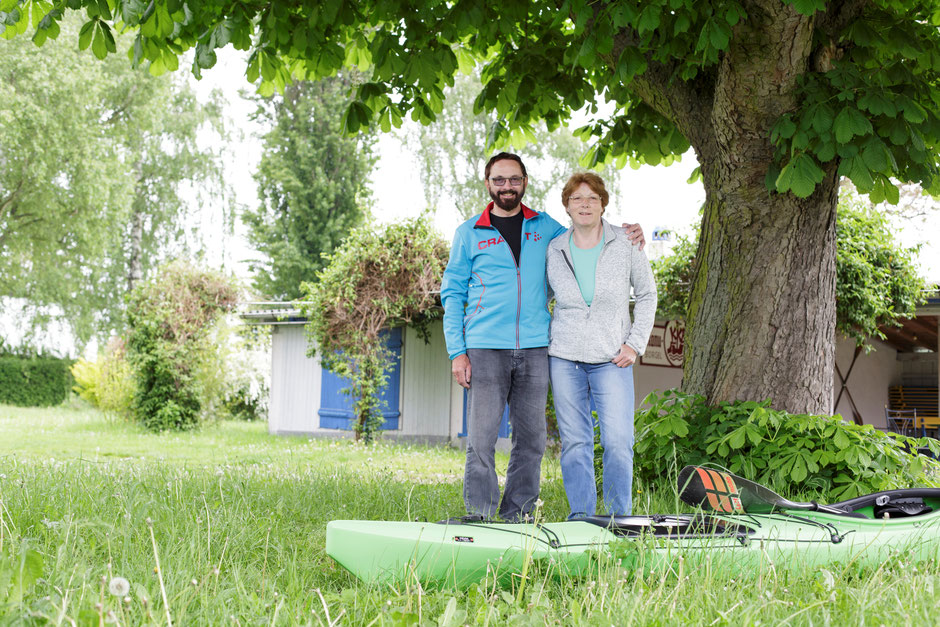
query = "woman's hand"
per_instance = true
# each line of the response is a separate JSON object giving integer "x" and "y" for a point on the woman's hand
{"x": 626, "y": 357}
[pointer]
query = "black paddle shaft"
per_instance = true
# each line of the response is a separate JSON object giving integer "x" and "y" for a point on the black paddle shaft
{"x": 724, "y": 492}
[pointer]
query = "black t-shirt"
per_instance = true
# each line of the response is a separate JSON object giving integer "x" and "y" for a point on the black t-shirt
{"x": 511, "y": 230}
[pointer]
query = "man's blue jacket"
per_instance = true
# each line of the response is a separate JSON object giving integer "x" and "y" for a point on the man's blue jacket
{"x": 489, "y": 301}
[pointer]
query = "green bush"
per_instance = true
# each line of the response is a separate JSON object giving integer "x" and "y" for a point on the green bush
{"x": 790, "y": 452}
{"x": 115, "y": 389}
{"x": 107, "y": 383}
{"x": 170, "y": 319}
{"x": 234, "y": 381}
{"x": 877, "y": 281}
{"x": 379, "y": 278}
{"x": 34, "y": 381}
{"x": 86, "y": 374}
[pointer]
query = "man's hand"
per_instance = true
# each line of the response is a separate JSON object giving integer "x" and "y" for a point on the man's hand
{"x": 626, "y": 357}
{"x": 460, "y": 367}
{"x": 635, "y": 234}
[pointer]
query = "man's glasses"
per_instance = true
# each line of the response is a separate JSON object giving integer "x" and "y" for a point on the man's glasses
{"x": 499, "y": 181}
{"x": 591, "y": 200}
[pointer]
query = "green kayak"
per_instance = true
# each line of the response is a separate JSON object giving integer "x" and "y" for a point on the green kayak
{"x": 742, "y": 526}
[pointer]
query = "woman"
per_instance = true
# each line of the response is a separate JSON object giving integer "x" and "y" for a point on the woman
{"x": 591, "y": 269}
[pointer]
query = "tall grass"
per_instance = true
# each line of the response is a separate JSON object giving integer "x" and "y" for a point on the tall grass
{"x": 236, "y": 521}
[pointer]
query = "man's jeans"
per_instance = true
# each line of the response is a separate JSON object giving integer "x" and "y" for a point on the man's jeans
{"x": 519, "y": 377}
{"x": 573, "y": 383}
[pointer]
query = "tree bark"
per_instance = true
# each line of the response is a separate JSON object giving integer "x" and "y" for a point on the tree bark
{"x": 135, "y": 250}
{"x": 761, "y": 318}
{"x": 135, "y": 237}
{"x": 762, "y": 310}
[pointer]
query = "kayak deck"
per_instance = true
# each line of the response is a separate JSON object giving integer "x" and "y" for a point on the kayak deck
{"x": 460, "y": 553}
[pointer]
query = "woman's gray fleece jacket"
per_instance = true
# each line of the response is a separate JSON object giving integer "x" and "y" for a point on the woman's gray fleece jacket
{"x": 594, "y": 334}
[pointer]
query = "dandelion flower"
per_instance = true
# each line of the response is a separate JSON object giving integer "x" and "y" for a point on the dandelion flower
{"x": 119, "y": 587}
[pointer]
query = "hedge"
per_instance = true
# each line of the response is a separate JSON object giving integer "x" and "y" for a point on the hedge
{"x": 34, "y": 382}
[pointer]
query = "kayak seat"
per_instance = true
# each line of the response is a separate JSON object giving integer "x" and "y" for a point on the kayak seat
{"x": 903, "y": 503}
{"x": 901, "y": 508}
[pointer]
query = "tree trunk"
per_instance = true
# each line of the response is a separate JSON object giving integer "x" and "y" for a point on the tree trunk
{"x": 135, "y": 250}
{"x": 135, "y": 239}
{"x": 761, "y": 318}
{"x": 762, "y": 310}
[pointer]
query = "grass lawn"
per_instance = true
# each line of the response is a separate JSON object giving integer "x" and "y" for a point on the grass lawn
{"x": 226, "y": 526}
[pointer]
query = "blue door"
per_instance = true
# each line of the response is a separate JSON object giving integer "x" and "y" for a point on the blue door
{"x": 335, "y": 407}
{"x": 505, "y": 429}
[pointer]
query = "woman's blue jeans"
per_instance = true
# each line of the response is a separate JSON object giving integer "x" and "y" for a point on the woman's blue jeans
{"x": 573, "y": 385}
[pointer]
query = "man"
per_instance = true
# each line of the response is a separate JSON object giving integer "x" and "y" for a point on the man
{"x": 496, "y": 327}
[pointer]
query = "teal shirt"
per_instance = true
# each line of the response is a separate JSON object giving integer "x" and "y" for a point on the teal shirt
{"x": 585, "y": 265}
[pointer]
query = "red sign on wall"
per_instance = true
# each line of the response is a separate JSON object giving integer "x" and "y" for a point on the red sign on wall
{"x": 666, "y": 345}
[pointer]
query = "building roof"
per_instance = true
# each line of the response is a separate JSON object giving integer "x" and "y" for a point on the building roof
{"x": 271, "y": 312}
{"x": 917, "y": 334}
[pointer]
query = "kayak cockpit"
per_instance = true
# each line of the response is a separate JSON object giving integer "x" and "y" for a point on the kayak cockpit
{"x": 904, "y": 503}
{"x": 684, "y": 525}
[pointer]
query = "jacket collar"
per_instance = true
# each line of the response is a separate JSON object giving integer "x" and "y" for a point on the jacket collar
{"x": 484, "y": 220}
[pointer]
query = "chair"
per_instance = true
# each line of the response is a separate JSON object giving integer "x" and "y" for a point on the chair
{"x": 902, "y": 421}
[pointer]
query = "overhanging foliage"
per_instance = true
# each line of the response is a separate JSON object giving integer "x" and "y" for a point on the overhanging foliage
{"x": 378, "y": 278}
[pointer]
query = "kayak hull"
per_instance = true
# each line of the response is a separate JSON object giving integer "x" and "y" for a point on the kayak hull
{"x": 460, "y": 554}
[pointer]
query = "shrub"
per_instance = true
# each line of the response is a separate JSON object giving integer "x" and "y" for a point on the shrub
{"x": 674, "y": 274}
{"x": 34, "y": 381}
{"x": 115, "y": 388}
{"x": 170, "y": 319}
{"x": 108, "y": 383}
{"x": 877, "y": 281}
{"x": 791, "y": 452}
{"x": 247, "y": 370}
{"x": 234, "y": 378}
{"x": 378, "y": 278}
{"x": 86, "y": 375}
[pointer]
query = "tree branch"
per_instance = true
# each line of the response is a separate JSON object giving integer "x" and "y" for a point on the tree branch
{"x": 687, "y": 104}
{"x": 123, "y": 106}
{"x": 11, "y": 197}
{"x": 830, "y": 24}
{"x": 838, "y": 15}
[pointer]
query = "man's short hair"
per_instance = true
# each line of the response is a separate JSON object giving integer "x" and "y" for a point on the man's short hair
{"x": 592, "y": 180}
{"x": 500, "y": 157}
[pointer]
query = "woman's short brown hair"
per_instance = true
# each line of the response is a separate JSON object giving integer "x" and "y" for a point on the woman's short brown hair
{"x": 592, "y": 180}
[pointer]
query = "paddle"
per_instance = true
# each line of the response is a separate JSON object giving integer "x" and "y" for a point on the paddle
{"x": 724, "y": 492}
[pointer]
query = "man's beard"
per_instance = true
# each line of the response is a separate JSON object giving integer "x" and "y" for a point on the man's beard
{"x": 507, "y": 203}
